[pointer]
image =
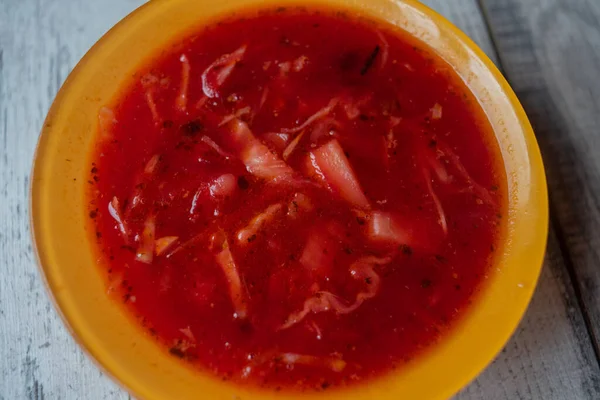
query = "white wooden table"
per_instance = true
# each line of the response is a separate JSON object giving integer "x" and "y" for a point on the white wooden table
{"x": 549, "y": 51}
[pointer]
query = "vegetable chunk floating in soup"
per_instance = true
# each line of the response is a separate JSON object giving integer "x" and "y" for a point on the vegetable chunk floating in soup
{"x": 296, "y": 199}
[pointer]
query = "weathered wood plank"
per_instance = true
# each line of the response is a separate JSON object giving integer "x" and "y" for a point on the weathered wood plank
{"x": 467, "y": 15}
{"x": 550, "y": 51}
{"x": 39, "y": 43}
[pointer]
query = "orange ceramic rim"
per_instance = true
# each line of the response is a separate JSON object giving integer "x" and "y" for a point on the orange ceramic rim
{"x": 99, "y": 325}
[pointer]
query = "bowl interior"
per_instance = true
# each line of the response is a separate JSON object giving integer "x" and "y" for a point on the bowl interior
{"x": 122, "y": 349}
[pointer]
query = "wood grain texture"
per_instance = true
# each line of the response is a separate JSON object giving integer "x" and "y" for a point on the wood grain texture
{"x": 550, "y": 356}
{"x": 40, "y": 42}
{"x": 551, "y": 54}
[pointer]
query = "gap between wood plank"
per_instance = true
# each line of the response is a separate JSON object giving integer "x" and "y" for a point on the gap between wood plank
{"x": 553, "y": 222}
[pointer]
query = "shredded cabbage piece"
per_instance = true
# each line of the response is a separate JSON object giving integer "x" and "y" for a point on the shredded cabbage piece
{"x": 114, "y": 209}
{"x": 335, "y": 364}
{"x": 331, "y": 164}
{"x": 382, "y": 227}
{"x": 223, "y": 186}
{"x": 115, "y": 281}
{"x": 208, "y": 141}
{"x": 215, "y": 75}
{"x": 320, "y": 302}
{"x": 326, "y": 127}
{"x": 263, "y": 99}
{"x": 352, "y": 107}
{"x": 182, "y": 98}
{"x": 106, "y": 122}
{"x": 152, "y": 164}
{"x": 292, "y": 146}
{"x": 317, "y": 330}
{"x": 187, "y": 332}
{"x": 436, "y": 112}
{"x": 246, "y": 234}
{"x": 284, "y": 68}
{"x": 313, "y": 171}
{"x": 318, "y": 253}
{"x": 256, "y": 156}
{"x": 477, "y": 189}
{"x": 437, "y": 167}
{"x": 278, "y": 140}
{"x": 300, "y": 202}
{"x": 190, "y": 242}
{"x": 230, "y": 270}
{"x": 238, "y": 114}
{"x": 200, "y": 103}
{"x": 195, "y": 201}
{"x": 299, "y": 63}
{"x": 145, "y": 250}
{"x": 385, "y": 49}
{"x": 149, "y": 83}
{"x": 438, "y": 204}
{"x": 164, "y": 243}
{"x": 362, "y": 269}
{"x": 323, "y": 112}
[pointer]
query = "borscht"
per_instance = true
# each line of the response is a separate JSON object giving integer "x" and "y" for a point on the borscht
{"x": 296, "y": 199}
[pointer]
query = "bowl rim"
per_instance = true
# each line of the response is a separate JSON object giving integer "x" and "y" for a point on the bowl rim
{"x": 38, "y": 242}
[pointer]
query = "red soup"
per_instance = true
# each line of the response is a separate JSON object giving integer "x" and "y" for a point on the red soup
{"x": 296, "y": 199}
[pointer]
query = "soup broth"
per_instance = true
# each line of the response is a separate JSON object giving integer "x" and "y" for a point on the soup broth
{"x": 296, "y": 199}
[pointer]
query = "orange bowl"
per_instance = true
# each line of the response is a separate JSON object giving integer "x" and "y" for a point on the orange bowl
{"x": 99, "y": 324}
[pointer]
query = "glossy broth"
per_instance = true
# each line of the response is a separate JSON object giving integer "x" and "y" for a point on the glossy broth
{"x": 296, "y": 199}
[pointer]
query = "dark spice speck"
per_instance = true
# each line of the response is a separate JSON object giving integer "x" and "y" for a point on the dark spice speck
{"x": 405, "y": 249}
{"x": 192, "y": 128}
{"x": 243, "y": 183}
{"x": 177, "y": 352}
{"x": 370, "y": 60}
{"x": 441, "y": 259}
